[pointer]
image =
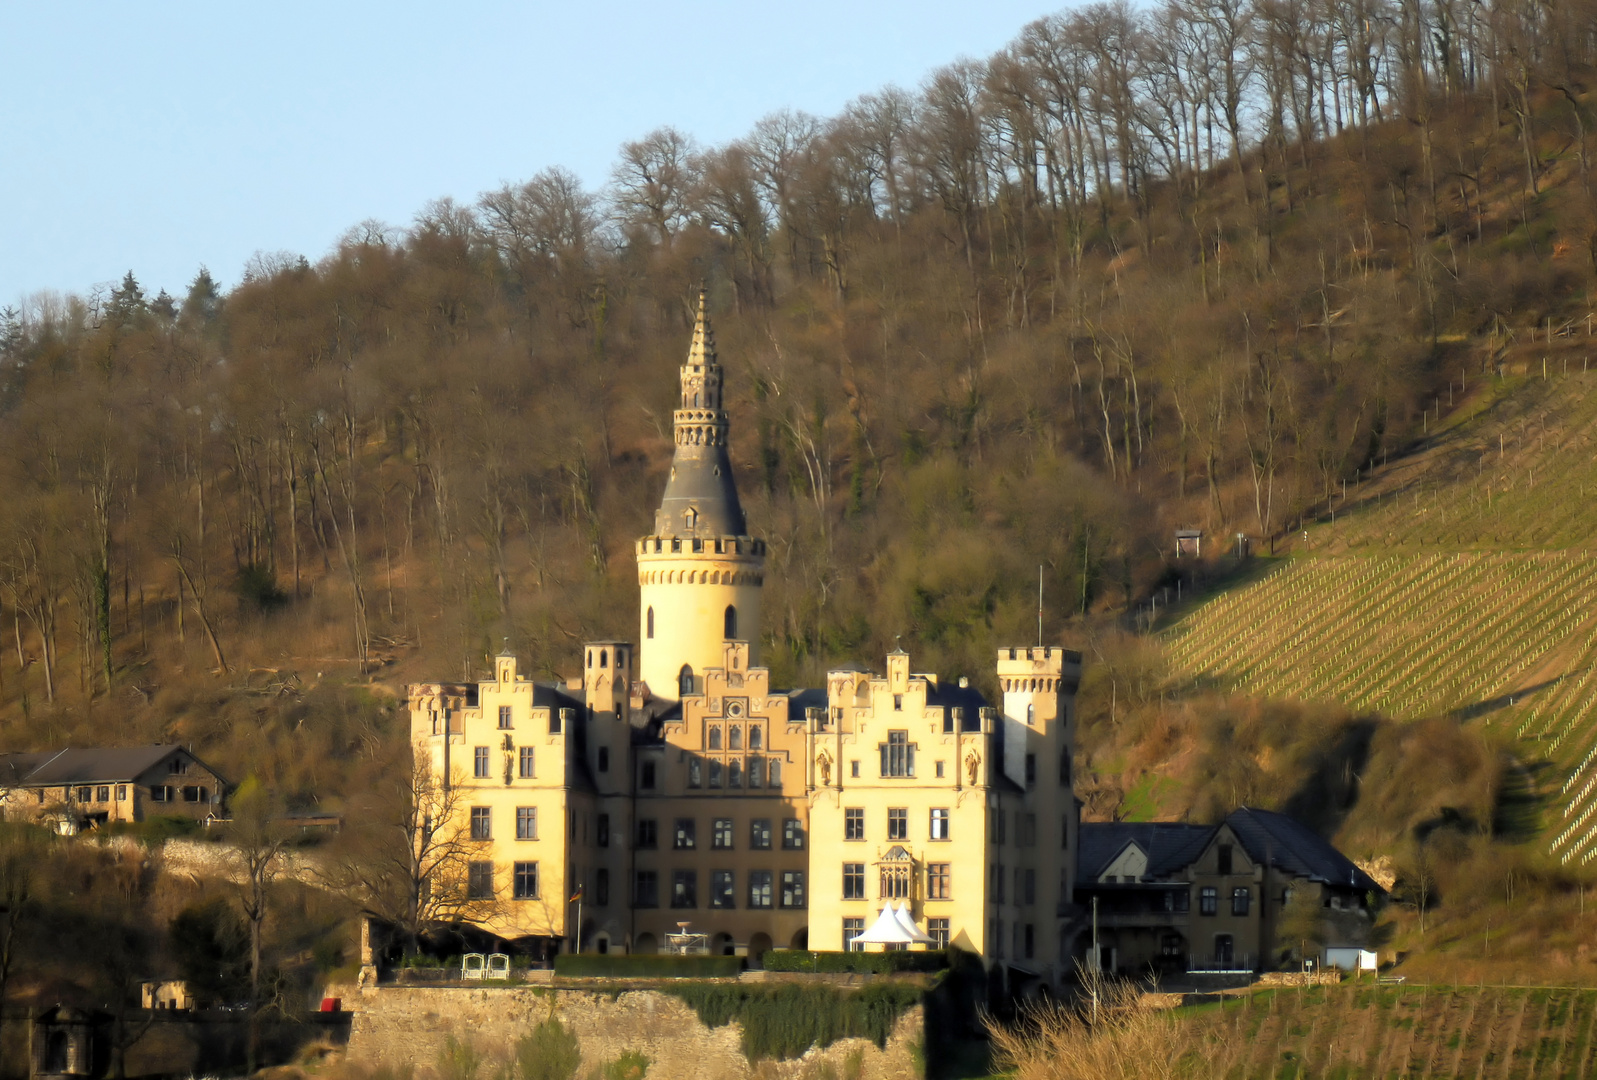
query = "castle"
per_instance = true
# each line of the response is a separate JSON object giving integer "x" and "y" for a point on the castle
{"x": 672, "y": 796}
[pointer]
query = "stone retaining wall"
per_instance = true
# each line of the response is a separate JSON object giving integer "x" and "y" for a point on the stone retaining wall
{"x": 405, "y": 1025}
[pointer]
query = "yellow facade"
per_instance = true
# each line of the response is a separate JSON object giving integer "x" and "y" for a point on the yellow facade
{"x": 676, "y": 792}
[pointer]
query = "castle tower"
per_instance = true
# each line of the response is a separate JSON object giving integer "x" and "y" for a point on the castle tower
{"x": 699, "y": 573}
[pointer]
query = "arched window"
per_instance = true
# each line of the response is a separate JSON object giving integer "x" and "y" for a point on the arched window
{"x": 715, "y": 738}
{"x": 1064, "y": 767}
{"x": 685, "y": 680}
{"x": 734, "y": 773}
{"x": 734, "y": 738}
{"x": 604, "y": 657}
{"x": 754, "y": 738}
{"x": 776, "y": 773}
{"x": 648, "y": 630}
{"x": 731, "y": 622}
{"x": 1031, "y": 710}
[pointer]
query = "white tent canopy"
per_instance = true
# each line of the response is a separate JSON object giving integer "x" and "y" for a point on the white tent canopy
{"x": 893, "y": 928}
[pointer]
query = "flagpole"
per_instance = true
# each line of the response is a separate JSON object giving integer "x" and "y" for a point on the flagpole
{"x": 579, "y": 920}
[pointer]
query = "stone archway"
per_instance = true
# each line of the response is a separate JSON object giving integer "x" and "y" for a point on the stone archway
{"x": 646, "y": 944}
{"x": 801, "y": 938}
{"x": 759, "y": 945}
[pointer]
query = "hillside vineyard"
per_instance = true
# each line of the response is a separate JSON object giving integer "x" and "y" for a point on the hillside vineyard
{"x": 675, "y": 798}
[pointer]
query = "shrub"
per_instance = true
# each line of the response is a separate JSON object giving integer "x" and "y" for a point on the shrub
{"x": 548, "y": 1052}
{"x": 648, "y": 966}
{"x": 860, "y": 963}
{"x": 784, "y": 1021}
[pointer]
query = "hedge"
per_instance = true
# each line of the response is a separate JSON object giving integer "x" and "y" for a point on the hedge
{"x": 647, "y": 966}
{"x": 862, "y": 963}
{"x": 785, "y": 1020}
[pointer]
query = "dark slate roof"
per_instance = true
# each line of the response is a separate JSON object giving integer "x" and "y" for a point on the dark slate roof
{"x": 946, "y": 694}
{"x": 92, "y": 765}
{"x": 1295, "y": 848}
{"x": 801, "y": 699}
{"x": 701, "y": 478}
{"x": 1170, "y": 846}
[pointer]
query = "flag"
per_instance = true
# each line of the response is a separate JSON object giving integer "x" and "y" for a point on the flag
{"x": 576, "y": 895}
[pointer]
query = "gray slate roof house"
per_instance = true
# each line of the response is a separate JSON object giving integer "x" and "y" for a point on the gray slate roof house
{"x": 73, "y": 788}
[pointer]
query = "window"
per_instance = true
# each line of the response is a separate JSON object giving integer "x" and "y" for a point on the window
{"x": 524, "y": 884}
{"x": 121, "y": 793}
{"x": 1170, "y": 945}
{"x": 646, "y": 889}
{"x": 557, "y": 719}
{"x": 1208, "y": 900}
{"x": 602, "y": 831}
{"x": 792, "y": 888}
{"x": 190, "y": 794}
{"x": 853, "y": 928}
{"x": 1064, "y": 767}
{"x": 731, "y": 623}
{"x": 853, "y": 769}
{"x": 721, "y": 886}
{"x": 685, "y": 680}
{"x": 479, "y": 881}
{"x": 695, "y": 772}
{"x": 1027, "y": 824}
{"x": 715, "y": 738}
{"x": 939, "y": 770}
{"x": 760, "y": 834}
{"x": 1240, "y": 899}
{"x": 1031, "y": 940}
{"x": 898, "y": 823}
{"x": 1029, "y": 894}
{"x": 715, "y": 774}
{"x": 759, "y": 888}
{"x": 646, "y": 775}
{"x": 1178, "y": 901}
{"x": 481, "y": 823}
{"x": 526, "y": 823}
{"x": 774, "y": 773}
{"x": 1031, "y": 770}
{"x": 683, "y": 833}
{"x": 898, "y": 756}
{"x": 158, "y": 793}
{"x": 939, "y": 825}
{"x": 1224, "y": 950}
{"x": 1031, "y": 716}
{"x": 793, "y": 834}
{"x": 721, "y": 833}
{"x": 734, "y": 773}
{"x": 756, "y": 771}
{"x": 648, "y": 623}
{"x": 854, "y": 823}
{"x": 938, "y": 883}
{"x": 102, "y": 793}
{"x": 684, "y": 888}
{"x": 601, "y": 887}
{"x": 734, "y": 737}
{"x": 754, "y": 737}
{"x": 937, "y": 930}
{"x": 1064, "y": 831}
{"x": 479, "y": 762}
{"x": 529, "y": 762}
{"x": 648, "y": 833}
{"x": 1000, "y": 826}
{"x": 1223, "y": 857}
{"x": 895, "y": 881}
{"x": 998, "y": 883}
{"x": 854, "y": 881}
{"x": 898, "y": 702}
{"x": 604, "y": 759}
{"x": 504, "y": 716}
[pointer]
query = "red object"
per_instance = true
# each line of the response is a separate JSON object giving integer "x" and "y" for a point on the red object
{"x": 332, "y": 1004}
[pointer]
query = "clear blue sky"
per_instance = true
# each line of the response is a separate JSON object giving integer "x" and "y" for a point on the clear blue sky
{"x": 159, "y": 136}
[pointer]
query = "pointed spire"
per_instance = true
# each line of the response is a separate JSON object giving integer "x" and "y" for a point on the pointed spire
{"x": 702, "y": 351}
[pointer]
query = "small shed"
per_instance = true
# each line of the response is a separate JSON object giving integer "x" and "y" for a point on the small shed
{"x": 63, "y": 1044}
{"x": 1189, "y": 543}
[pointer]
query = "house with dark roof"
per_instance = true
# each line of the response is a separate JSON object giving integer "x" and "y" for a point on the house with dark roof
{"x": 1171, "y": 898}
{"x": 72, "y": 789}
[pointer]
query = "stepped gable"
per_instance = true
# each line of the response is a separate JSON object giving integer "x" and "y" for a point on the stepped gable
{"x": 1295, "y": 848}
{"x": 1170, "y": 846}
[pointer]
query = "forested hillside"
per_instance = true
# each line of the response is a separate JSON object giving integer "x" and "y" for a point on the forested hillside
{"x": 1197, "y": 264}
